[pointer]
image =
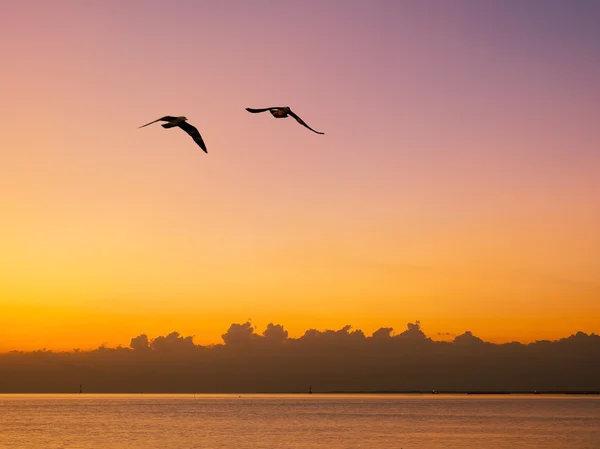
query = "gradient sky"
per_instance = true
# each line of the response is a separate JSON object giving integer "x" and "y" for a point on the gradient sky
{"x": 458, "y": 180}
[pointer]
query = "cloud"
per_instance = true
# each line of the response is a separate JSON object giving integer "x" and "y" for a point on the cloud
{"x": 239, "y": 334}
{"x": 383, "y": 333}
{"x": 275, "y": 333}
{"x": 342, "y": 359}
{"x": 140, "y": 343}
{"x": 413, "y": 331}
{"x": 467, "y": 339}
{"x": 445, "y": 334}
{"x": 172, "y": 342}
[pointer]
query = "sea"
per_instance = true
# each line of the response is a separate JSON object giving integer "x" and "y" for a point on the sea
{"x": 299, "y": 421}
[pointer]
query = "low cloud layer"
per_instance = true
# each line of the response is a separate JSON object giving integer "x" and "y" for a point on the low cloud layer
{"x": 329, "y": 360}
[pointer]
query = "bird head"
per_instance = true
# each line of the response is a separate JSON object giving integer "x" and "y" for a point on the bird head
{"x": 183, "y": 118}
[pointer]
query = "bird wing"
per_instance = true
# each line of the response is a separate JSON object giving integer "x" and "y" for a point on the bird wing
{"x": 254, "y": 111}
{"x": 193, "y": 132}
{"x": 299, "y": 120}
{"x": 167, "y": 118}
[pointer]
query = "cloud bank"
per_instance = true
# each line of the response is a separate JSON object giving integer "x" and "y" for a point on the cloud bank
{"x": 329, "y": 360}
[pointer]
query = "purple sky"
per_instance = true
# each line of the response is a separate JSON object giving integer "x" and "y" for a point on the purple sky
{"x": 462, "y": 137}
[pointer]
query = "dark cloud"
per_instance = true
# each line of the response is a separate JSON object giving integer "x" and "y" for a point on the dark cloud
{"x": 414, "y": 332}
{"x": 467, "y": 339}
{"x": 140, "y": 343}
{"x": 275, "y": 333}
{"x": 329, "y": 360}
{"x": 383, "y": 333}
{"x": 173, "y": 342}
{"x": 239, "y": 334}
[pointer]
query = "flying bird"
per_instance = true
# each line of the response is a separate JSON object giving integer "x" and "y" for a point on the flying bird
{"x": 282, "y": 112}
{"x": 181, "y": 122}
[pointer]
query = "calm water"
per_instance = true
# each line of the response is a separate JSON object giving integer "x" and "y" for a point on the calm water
{"x": 289, "y": 421}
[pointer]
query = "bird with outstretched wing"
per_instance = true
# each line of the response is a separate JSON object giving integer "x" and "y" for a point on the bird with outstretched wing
{"x": 182, "y": 123}
{"x": 282, "y": 112}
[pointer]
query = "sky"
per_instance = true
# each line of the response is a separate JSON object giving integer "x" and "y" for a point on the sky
{"x": 457, "y": 181}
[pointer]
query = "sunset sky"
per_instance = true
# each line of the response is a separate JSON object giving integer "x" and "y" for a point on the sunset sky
{"x": 457, "y": 182}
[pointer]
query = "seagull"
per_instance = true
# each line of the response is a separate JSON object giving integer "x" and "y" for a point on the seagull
{"x": 181, "y": 122}
{"x": 282, "y": 112}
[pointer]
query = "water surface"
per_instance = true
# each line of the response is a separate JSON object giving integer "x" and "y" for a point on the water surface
{"x": 298, "y": 421}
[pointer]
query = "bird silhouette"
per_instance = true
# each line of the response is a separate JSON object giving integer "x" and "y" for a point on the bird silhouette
{"x": 181, "y": 122}
{"x": 282, "y": 112}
